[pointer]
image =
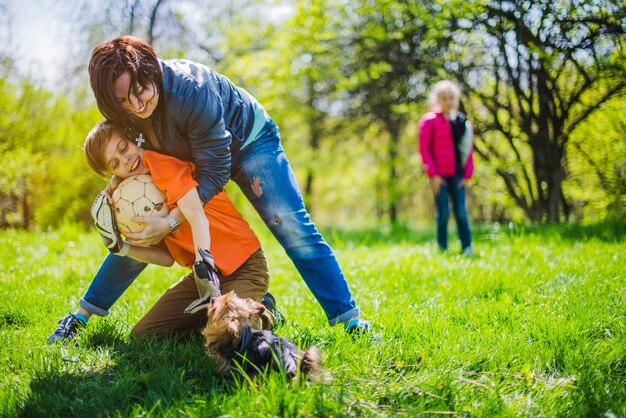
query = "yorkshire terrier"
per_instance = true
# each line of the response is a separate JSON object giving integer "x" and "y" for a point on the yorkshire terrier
{"x": 238, "y": 335}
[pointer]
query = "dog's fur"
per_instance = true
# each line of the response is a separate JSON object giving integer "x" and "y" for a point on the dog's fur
{"x": 238, "y": 335}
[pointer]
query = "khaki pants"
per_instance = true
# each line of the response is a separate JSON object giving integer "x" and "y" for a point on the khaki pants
{"x": 167, "y": 316}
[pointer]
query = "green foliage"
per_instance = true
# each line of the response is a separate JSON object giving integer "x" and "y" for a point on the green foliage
{"x": 532, "y": 326}
{"x": 43, "y": 175}
{"x": 597, "y": 162}
{"x": 346, "y": 83}
{"x": 535, "y": 72}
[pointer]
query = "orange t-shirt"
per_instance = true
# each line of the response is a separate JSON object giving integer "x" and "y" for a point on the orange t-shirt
{"x": 232, "y": 240}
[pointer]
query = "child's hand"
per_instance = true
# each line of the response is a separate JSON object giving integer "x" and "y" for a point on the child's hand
{"x": 155, "y": 229}
{"x": 108, "y": 191}
{"x": 436, "y": 182}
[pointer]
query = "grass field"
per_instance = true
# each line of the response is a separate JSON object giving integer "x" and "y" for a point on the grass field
{"x": 534, "y": 325}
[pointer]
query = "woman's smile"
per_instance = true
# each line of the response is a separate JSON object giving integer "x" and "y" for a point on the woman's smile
{"x": 139, "y": 100}
{"x": 143, "y": 109}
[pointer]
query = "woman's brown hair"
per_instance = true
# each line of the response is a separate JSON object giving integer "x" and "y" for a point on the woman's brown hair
{"x": 110, "y": 60}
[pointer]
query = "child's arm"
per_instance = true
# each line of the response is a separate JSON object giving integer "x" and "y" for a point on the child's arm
{"x": 153, "y": 255}
{"x": 191, "y": 207}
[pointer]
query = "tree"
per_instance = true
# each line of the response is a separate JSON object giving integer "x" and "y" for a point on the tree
{"x": 391, "y": 61}
{"x": 536, "y": 70}
{"x": 312, "y": 76}
{"x": 597, "y": 163}
{"x": 162, "y": 23}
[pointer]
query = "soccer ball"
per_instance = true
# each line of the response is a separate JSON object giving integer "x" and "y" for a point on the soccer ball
{"x": 137, "y": 196}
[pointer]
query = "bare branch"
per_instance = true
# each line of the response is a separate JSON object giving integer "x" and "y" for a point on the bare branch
{"x": 153, "y": 16}
{"x": 592, "y": 108}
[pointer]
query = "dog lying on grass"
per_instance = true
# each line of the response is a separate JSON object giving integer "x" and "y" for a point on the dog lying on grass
{"x": 238, "y": 335}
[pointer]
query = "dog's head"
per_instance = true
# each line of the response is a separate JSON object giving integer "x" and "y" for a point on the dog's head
{"x": 227, "y": 316}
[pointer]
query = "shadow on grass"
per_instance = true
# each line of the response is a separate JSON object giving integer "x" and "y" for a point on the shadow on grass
{"x": 610, "y": 231}
{"x": 605, "y": 231}
{"x": 124, "y": 376}
{"x": 379, "y": 236}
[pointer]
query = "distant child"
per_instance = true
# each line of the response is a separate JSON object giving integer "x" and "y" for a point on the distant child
{"x": 216, "y": 226}
{"x": 446, "y": 145}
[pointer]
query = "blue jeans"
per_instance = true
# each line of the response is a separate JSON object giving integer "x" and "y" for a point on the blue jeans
{"x": 264, "y": 175}
{"x": 451, "y": 188}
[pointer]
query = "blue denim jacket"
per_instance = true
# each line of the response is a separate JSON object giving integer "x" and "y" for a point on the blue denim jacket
{"x": 199, "y": 116}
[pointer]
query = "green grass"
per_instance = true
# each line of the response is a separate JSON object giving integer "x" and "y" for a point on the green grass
{"x": 534, "y": 325}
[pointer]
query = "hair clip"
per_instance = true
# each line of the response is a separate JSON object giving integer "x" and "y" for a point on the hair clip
{"x": 140, "y": 140}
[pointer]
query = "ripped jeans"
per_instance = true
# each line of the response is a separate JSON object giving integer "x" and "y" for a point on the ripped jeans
{"x": 263, "y": 173}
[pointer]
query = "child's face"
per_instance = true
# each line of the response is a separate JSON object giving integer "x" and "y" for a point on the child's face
{"x": 447, "y": 101}
{"x": 123, "y": 158}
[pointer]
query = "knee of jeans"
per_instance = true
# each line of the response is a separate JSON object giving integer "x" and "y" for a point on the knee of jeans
{"x": 442, "y": 215}
{"x": 297, "y": 233}
{"x": 460, "y": 213}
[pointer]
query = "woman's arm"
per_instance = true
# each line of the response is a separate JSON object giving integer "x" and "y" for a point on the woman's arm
{"x": 153, "y": 255}
{"x": 191, "y": 207}
{"x": 203, "y": 116}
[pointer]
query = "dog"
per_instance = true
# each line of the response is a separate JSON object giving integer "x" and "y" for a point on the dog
{"x": 238, "y": 335}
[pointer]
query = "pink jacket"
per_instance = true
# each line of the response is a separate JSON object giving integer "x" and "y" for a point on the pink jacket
{"x": 437, "y": 147}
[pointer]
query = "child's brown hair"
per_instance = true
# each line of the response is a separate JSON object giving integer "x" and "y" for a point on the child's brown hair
{"x": 95, "y": 143}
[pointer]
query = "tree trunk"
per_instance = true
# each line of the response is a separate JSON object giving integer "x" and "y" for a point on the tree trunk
{"x": 316, "y": 123}
{"x": 392, "y": 180}
{"x": 549, "y": 174}
{"x": 152, "y": 22}
{"x": 308, "y": 190}
{"x": 314, "y": 144}
{"x": 555, "y": 191}
{"x": 25, "y": 206}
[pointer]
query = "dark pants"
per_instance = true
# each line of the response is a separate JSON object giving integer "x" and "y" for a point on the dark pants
{"x": 451, "y": 188}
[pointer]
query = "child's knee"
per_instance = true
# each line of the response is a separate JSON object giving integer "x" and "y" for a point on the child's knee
{"x": 295, "y": 230}
{"x": 251, "y": 287}
{"x": 138, "y": 331}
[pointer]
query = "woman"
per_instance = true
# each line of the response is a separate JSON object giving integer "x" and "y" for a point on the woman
{"x": 187, "y": 110}
{"x": 445, "y": 143}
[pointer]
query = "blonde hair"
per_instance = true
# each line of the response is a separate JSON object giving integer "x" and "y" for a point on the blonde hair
{"x": 95, "y": 143}
{"x": 443, "y": 86}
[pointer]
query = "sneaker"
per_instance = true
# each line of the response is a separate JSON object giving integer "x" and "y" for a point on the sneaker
{"x": 68, "y": 326}
{"x": 270, "y": 303}
{"x": 361, "y": 328}
{"x": 468, "y": 252}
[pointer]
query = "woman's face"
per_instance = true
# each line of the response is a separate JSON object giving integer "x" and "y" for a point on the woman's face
{"x": 123, "y": 158}
{"x": 141, "y": 105}
{"x": 448, "y": 101}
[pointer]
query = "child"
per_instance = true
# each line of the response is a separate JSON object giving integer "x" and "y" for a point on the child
{"x": 446, "y": 145}
{"x": 234, "y": 244}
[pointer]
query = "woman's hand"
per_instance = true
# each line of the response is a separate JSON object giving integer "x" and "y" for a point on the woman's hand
{"x": 108, "y": 191}
{"x": 462, "y": 183}
{"x": 435, "y": 183}
{"x": 156, "y": 228}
